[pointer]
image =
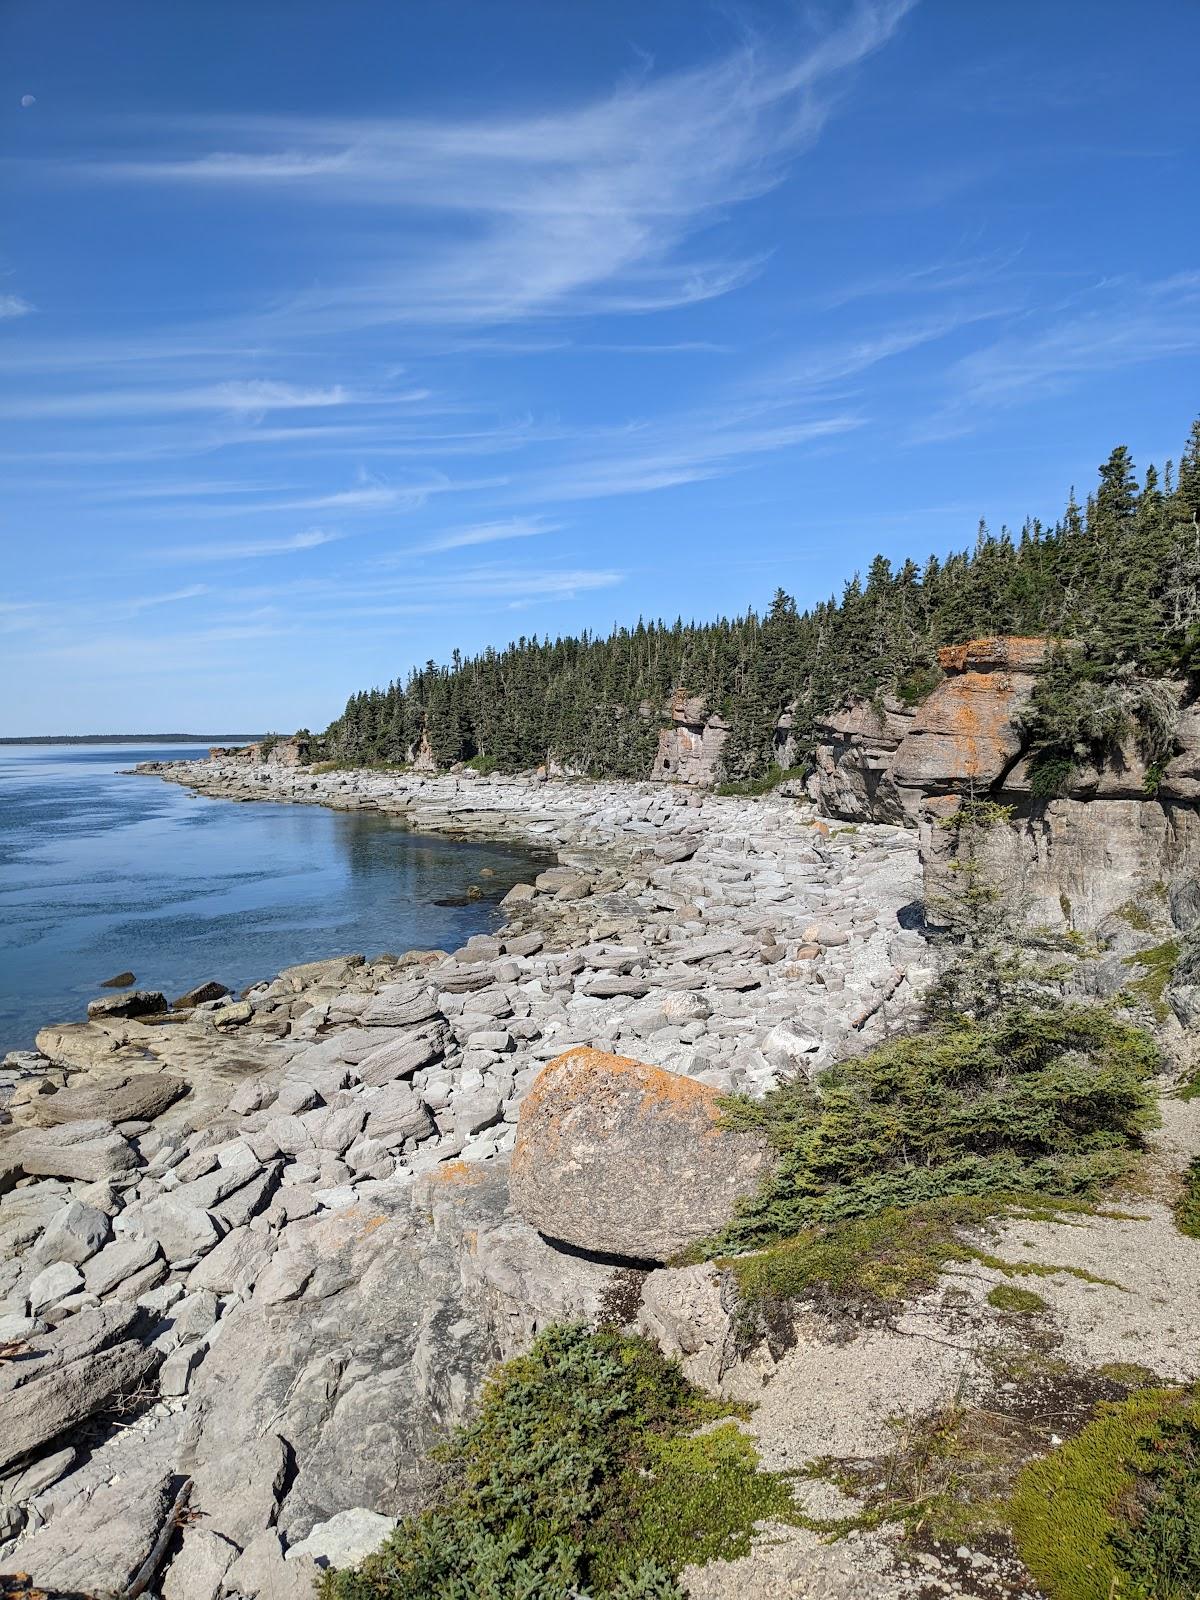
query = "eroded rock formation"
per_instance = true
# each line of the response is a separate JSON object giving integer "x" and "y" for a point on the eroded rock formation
{"x": 1116, "y": 831}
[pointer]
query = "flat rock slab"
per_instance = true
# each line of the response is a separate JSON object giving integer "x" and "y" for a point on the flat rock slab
{"x": 135, "y": 1099}
{"x": 42, "y": 1409}
{"x": 133, "y": 1003}
{"x": 625, "y": 1159}
{"x": 89, "y": 1151}
{"x": 99, "y": 1548}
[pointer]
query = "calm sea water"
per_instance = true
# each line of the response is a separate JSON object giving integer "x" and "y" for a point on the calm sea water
{"x": 100, "y": 873}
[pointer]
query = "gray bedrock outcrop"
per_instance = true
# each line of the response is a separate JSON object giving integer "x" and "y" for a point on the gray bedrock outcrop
{"x": 285, "y": 1269}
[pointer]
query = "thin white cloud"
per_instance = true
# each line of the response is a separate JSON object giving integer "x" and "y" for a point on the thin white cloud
{"x": 147, "y": 602}
{"x": 486, "y": 533}
{"x": 12, "y": 305}
{"x": 685, "y": 450}
{"x": 249, "y": 549}
{"x": 1116, "y": 325}
{"x": 953, "y": 275}
{"x": 834, "y": 363}
{"x": 253, "y": 397}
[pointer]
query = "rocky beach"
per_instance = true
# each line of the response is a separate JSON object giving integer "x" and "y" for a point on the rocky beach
{"x": 261, "y": 1251}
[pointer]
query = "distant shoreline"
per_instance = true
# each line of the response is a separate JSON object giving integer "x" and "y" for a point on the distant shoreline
{"x": 134, "y": 738}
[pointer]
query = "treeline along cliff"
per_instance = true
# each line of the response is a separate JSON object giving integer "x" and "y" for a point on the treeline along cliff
{"x": 1119, "y": 574}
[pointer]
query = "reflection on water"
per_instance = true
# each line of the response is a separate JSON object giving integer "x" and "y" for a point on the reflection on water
{"x": 100, "y": 872}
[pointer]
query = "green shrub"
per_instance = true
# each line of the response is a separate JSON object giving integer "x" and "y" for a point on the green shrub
{"x": 1160, "y": 1545}
{"x": 1035, "y": 1101}
{"x": 1050, "y": 774}
{"x": 1082, "y": 709}
{"x": 918, "y": 685}
{"x": 483, "y": 764}
{"x": 769, "y": 780}
{"x": 1187, "y": 1207}
{"x": 579, "y": 1473}
{"x": 1114, "y": 1514}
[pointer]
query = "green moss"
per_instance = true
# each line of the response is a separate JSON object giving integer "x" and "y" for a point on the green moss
{"x": 1076, "y": 1516}
{"x": 1051, "y": 1101}
{"x": 1187, "y": 1207}
{"x": 1134, "y": 916}
{"x": 1019, "y": 1302}
{"x": 1130, "y": 1374}
{"x": 1157, "y": 966}
{"x": 582, "y": 1471}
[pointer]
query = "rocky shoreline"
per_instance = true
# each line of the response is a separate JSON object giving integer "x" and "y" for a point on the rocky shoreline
{"x": 257, "y": 1254}
{"x": 261, "y": 1247}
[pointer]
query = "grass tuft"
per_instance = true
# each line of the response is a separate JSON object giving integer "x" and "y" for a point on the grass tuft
{"x": 1187, "y": 1207}
{"x": 1017, "y": 1302}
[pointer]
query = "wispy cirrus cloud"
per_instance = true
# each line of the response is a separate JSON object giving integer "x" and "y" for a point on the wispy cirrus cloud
{"x": 1116, "y": 324}
{"x": 488, "y": 533}
{"x": 249, "y": 549}
{"x": 239, "y": 398}
{"x": 13, "y": 305}
{"x": 147, "y": 602}
{"x": 664, "y": 454}
{"x": 592, "y": 207}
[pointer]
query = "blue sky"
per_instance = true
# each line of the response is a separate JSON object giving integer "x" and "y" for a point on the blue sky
{"x": 337, "y": 336}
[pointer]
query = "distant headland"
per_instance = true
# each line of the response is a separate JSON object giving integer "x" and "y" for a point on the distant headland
{"x": 133, "y": 738}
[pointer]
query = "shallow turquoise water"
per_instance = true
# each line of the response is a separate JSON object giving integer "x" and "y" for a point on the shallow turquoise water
{"x": 101, "y": 872}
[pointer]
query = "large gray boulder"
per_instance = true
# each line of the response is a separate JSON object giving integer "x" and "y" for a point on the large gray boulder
{"x": 624, "y": 1159}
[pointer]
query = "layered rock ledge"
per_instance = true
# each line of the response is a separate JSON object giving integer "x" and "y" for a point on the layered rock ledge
{"x": 1113, "y": 832}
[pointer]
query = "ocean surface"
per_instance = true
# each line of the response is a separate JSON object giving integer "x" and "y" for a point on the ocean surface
{"x": 102, "y": 873}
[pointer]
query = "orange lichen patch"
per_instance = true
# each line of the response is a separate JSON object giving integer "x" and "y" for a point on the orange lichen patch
{"x": 983, "y": 726}
{"x": 370, "y": 1227}
{"x": 456, "y": 1172}
{"x": 1016, "y": 652}
{"x": 822, "y": 828}
{"x": 585, "y": 1070}
{"x": 963, "y": 732}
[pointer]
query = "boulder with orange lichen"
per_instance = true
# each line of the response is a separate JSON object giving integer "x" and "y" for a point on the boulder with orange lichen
{"x": 627, "y": 1160}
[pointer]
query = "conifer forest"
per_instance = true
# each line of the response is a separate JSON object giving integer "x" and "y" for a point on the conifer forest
{"x": 1118, "y": 574}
